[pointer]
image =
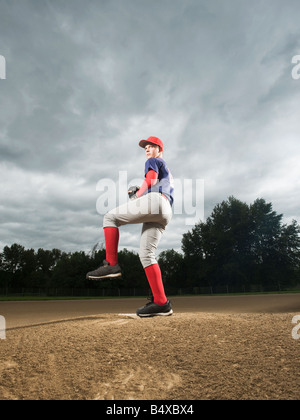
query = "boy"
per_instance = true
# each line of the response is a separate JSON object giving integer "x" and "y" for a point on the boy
{"x": 151, "y": 205}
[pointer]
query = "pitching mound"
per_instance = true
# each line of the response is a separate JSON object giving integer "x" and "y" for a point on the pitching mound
{"x": 189, "y": 356}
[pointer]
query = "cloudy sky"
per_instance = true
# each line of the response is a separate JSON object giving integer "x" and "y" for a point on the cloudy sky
{"x": 87, "y": 79}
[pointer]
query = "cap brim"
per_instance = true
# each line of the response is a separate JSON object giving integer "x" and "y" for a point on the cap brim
{"x": 143, "y": 143}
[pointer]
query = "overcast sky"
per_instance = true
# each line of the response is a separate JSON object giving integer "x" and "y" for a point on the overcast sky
{"x": 87, "y": 79}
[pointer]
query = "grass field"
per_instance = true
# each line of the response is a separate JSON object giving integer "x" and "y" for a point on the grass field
{"x": 38, "y": 297}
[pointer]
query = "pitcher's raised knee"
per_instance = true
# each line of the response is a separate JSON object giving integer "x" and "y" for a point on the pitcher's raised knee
{"x": 109, "y": 220}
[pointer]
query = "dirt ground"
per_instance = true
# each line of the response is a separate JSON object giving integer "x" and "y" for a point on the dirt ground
{"x": 218, "y": 348}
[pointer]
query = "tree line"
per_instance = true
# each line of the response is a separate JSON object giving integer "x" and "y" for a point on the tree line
{"x": 238, "y": 245}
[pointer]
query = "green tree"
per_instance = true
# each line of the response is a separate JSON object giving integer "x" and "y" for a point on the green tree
{"x": 12, "y": 258}
{"x": 70, "y": 270}
{"x": 240, "y": 244}
{"x": 217, "y": 251}
{"x": 28, "y": 271}
{"x": 172, "y": 268}
{"x": 133, "y": 275}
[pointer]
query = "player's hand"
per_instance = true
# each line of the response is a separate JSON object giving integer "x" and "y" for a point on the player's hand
{"x": 132, "y": 192}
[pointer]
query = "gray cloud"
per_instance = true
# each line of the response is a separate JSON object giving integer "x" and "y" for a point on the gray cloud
{"x": 87, "y": 80}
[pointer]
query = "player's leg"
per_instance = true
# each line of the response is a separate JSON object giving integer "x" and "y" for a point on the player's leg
{"x": 150, "y": 238}
{"x": 151, "y": 235}
{"x": 110, "y": 267}
{"x": 149, "y": 208}
{"x": 111, "y": 235}
{"x": 135, "y": 211}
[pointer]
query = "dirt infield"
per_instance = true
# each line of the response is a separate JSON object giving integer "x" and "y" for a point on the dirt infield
{"x": 218, "y": 348}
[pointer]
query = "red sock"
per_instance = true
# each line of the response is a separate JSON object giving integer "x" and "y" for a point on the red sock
{"x": 153, "y": 274}
{"x": 111, "y": 235}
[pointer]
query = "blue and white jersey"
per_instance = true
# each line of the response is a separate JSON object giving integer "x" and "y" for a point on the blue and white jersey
{"x": 165, "y": 183}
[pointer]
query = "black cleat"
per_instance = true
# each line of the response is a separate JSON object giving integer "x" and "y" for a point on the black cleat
{"x": 105, "y": 271}
{"x": 153, "y": 309}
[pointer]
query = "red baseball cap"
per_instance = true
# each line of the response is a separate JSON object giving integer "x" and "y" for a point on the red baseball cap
{"x": 152, "y": 140}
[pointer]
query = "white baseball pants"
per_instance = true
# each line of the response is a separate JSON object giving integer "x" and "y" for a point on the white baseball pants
{"x": 153, "y": 211}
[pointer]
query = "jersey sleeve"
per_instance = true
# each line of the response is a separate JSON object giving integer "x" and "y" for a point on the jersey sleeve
{"x": 152, "y": 164}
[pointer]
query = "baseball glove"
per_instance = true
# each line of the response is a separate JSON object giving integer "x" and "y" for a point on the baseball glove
{"x": 132, "y": 192}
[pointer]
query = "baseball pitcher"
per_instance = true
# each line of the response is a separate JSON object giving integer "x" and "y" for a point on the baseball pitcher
{"x": 151, "y": 205}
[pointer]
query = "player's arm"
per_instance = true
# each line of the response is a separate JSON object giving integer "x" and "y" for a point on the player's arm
{"x": 150, "y": 180}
